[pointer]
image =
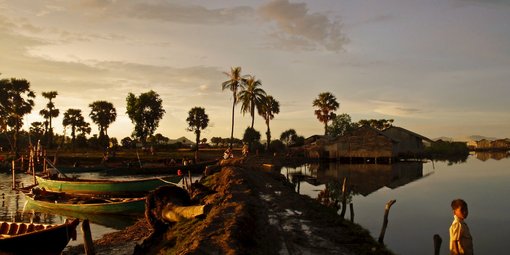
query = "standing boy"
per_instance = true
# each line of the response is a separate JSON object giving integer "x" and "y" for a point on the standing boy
{"x": 461, "y": 241}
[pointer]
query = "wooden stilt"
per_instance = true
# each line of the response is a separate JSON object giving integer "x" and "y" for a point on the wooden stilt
{"x": 344, "y": 198}
{"x": 13, "y": 168}
{"x": 351, "y": 209}
{"x": 385, "y": 222}
{"x": 88, "y": 244}
{"x": 437, "y": 244}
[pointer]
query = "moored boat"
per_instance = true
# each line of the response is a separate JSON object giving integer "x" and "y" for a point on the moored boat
{"x": 83, "y": 204}
{"x": 32, "y": 238}
{"x": 116, "y": 188}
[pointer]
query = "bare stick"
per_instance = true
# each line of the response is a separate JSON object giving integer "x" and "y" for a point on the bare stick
{"x": 351, "y": 209}
{"x": 344, "y": 198}
{"x": 88, "y": 244}
{"x": 437, "y": 244}
{"x": 385, "y": 222}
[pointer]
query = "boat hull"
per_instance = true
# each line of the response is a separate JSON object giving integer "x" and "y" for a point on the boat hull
{"x": 107, "y": 187}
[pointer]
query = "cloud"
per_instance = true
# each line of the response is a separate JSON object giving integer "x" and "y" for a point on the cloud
{"x": 167, "y": 11}
{"x": 395, "y": 109}
{"x": 298, "y": 28}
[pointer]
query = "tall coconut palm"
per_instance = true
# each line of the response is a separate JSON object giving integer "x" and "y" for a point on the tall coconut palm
{"x": 326, "y": 104}
{"x": 234, "y": 82}
{"x": 49, "y": 113}
{"x": 267, "y": 110}
{"x": 251, "y": 96}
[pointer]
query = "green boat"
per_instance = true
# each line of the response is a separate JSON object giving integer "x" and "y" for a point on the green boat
{"x": 114, "y": 188}
{"x": 83, "y": 204}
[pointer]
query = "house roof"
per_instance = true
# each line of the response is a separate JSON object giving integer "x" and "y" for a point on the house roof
{"x": 409, "y": 132}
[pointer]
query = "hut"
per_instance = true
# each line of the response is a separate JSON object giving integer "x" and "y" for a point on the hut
{"x": 362, "y": 144}
{"x": 483, "y": 144}
{"x": 410, "y": 143}
{"x": 500, "y": 144}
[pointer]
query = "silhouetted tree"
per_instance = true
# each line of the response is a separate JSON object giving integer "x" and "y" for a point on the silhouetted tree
{"x": 145, "y": 111}
{"x": 267, "y": 110}
{"x": 251, "y": 97}
{"x": 326, "y": 104}
{"x": 74, "y": 118}
{"x": 197, "y": 120}
{"x": 48, "y": 114}
{"x": 234, "y": 82}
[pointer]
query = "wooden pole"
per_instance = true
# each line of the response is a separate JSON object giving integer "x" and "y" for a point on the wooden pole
{"x": 351, "y": 209}
{"x": 385, "y": 222}
{"x": 88, "y": 244}
{"x": 344, "y": 198}
{"x": 437, "y": 244}
{"x": 13, "y": 168}
{"x": 32, "y": 165}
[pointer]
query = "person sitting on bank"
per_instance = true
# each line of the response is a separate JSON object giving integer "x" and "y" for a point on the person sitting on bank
{"x": 461, "y": 241}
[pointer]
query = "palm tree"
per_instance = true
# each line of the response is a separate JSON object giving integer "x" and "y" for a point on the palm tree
{"x": 267, "y": 110}
{"x": 234, "y": 82}
{"x": 74, "y": 118}
{"x": 49, "y": 113}
{"x": 103, "y": 114}
{"x": 251, "y": 97}
{"x": 197, "y": 121}
{"x": 326, "y": 104}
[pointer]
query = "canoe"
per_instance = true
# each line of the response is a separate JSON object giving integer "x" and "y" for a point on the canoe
{"x": 115, "y": 188}
{"x": 83, "y": 204}
{"x": 32, "y": 238}
{"x": 135, "y": 169}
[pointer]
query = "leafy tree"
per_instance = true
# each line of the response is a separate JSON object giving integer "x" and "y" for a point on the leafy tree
{"x": 126, "y": 142}
{"x": 326, "y": 104}
{"x": 216, "y": 140}
{"x": 36, "y": 130}
{"x": 251, "y": 136}
{"x": 340, "y": 125}
{"x": 103, "y": 114}
{"x": 267, "y": 110}
{"x": 16, "y": 101}
{"x": 251, "y": 96}
{"x": 197, "y": 121}
{"x": 288, "y": 137}
{"x": 234, "y": 82}
{"x": 74, "y": 118}
{"x": 145, "y": 112}
{"x": 380, "y": 124}
{"x": 49, "y": 113}
{"x": 203, "y": 141}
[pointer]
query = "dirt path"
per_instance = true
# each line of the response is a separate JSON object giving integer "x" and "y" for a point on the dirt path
{"x": 256, "y": 211}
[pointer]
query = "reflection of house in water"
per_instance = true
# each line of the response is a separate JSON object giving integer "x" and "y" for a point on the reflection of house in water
{"x": 367, "y": 178}
{"x": 486, "y": 155}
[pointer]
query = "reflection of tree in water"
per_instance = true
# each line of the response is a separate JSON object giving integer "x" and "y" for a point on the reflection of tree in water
{"x": 455, "y": 159}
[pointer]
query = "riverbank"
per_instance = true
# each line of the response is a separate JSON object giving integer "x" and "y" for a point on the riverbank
{"x": 254, "y": 211}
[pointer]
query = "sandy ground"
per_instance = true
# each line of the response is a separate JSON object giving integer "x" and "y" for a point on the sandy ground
{"x": 254, "y": 210}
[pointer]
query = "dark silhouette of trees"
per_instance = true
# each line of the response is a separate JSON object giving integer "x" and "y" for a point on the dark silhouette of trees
{"x": 145, "y": 111}
{"x": 267, "y": 110}
{"x": 234, "y": 82}
{"x": 326, "y": 104}
{"x": 103, "y": 114}
{"x": 340, "y": 125}
{"x": 48, "y": 114}
{"x": 74, "y": 118}
{"x": 380, "y": 124}
{"x": 251, "y": 96}
{"x": 197, "y": 120}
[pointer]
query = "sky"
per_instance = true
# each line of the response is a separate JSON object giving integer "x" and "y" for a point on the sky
{"x": 437, "y": 67}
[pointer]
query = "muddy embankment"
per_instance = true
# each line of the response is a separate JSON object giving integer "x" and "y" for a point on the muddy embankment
{"x": 252, "y": 210}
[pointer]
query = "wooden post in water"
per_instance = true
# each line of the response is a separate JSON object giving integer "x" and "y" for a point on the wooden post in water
{"x": 88, "y": 244}
{"x": 351, "y": 209}
{"x": 385, "y": 222}
{"x": 13, "y": 168}
{"x": 344, "y": 198}
{"x": 437, "y": 244}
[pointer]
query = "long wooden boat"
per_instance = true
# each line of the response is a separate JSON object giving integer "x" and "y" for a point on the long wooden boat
{"x": 32, "y": 238}
{"x": 83, "y": 204}
{"x": 135, "y": 169}
{"x": 115, "y": 188}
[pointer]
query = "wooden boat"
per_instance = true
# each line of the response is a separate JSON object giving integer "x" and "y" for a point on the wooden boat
{"x": 115, "y": 188}
{"x": 83, "y": 204}
{"x": 135, "y": 169}
{"x": 32, "y": 238}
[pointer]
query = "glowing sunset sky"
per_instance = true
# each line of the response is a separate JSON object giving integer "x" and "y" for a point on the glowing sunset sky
{"x": 438, "y": 67}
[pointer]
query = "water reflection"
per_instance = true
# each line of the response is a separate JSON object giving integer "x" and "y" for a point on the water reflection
{"x": 486, "y": 155}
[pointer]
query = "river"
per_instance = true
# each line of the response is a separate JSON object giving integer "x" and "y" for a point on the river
{"x": 423, "y": 193}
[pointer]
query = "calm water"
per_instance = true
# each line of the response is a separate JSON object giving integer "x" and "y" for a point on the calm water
{"x": 13, "y": 209}
{"x": 423, "y": 192}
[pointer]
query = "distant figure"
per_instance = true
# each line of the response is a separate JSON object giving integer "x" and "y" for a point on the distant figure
{"x": 228, "y": 154}
{"x": 461, "y": 241}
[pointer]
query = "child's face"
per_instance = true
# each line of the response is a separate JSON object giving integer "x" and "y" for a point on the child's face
{"x": 461, "y": 212}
